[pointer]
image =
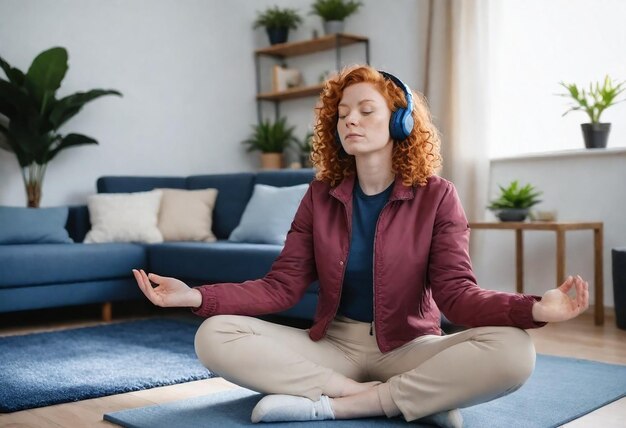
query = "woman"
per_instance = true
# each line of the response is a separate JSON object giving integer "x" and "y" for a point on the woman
{"x": 388, "y": 241}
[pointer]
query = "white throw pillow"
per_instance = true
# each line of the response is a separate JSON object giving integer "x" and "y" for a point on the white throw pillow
{"x": 268, "y": 215}
{"x": 124, "y": 217}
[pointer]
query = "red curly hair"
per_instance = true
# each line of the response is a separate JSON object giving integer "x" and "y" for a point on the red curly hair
{"x": 415, "y": 159}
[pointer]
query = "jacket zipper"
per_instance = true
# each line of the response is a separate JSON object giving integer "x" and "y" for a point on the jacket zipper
{"x": 374, "y": 274}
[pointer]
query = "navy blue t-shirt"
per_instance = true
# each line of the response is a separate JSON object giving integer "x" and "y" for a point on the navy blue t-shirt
{"x": 357, "y": 294}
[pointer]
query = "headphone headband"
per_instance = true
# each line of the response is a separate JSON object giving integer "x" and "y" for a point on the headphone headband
{"x": 401, "y": 123}
{"x": 405, "y": 88}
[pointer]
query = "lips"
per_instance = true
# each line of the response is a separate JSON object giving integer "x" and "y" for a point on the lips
{"x": 351, "y": 135}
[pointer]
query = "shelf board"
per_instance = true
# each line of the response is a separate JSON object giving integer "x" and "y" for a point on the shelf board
{"x": 324, "y": 43}
{"x": 299, "y": 92}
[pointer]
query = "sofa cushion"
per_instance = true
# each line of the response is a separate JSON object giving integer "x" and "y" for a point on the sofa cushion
{"x": 187, "y": 215}
{"x": 268, "y": 215}
{"x": 234, "y": 191}
{"x": 211, "y": 262}
{"x": 20, "y": 225}
{"x": 124, "y": 217}
{"x": 32, "y": 264}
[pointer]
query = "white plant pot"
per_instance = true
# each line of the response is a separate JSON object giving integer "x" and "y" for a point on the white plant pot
{"x": 332, "y": 27}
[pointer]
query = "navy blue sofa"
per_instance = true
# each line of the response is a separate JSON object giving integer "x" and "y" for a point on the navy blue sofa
{"x": 37, "y": 276}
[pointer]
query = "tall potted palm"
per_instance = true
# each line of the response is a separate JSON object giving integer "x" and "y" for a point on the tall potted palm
{"x": 271, "y": 139}
{"x": 593, "y": 102}
{"x": 31, "y": 115}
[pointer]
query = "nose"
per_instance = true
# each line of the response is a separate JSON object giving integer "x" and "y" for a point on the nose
{"x": 351, "y": 120}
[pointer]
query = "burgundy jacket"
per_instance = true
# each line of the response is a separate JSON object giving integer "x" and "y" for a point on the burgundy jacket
{"x": 421, "y": 265}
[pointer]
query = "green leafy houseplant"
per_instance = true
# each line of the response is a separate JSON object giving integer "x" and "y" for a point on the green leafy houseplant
{"x": 277, "y": 22}
{"x": 335, "y": 10}
{"x": 593, "y": 102}
{"x": 271, "y": 138}
{"x": 31, "y": 115}
{"x": 514, "y": 201}
{"x": 596, "y": 99}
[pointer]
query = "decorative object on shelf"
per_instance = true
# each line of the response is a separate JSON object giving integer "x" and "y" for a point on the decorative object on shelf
{"x": 271, "y": 139}
{"x": 277, "y": 23}
{"x": 282, "y": 52}
{"x": 304, "y": 147}
{"x": 30, "y": 116}
{"x": 594, "y": 102}
{"x": 514, "y": 201}
{"x": 286, "y": 78}
{"x": 334, "y": 13}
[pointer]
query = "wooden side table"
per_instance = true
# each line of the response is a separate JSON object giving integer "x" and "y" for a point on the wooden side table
{"x": 560, "y": 228}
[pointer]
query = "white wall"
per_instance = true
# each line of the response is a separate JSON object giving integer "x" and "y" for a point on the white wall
{"x": 535, "y": 45}
{"x": 186, "y": 69}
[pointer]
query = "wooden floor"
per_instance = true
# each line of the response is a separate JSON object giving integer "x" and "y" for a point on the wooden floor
{"x": 577, "y": 338}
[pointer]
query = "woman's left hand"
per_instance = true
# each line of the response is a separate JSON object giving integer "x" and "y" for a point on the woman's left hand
{"x": 556, "y": 305}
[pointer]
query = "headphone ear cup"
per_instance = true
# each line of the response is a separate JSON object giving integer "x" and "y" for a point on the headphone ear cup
{"x": 395, "y": 125}
{"x": 401, "y": 124}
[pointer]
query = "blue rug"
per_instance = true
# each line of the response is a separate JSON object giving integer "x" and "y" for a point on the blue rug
{"x": 560, "y": 390}
{"x": 70, "y": 365}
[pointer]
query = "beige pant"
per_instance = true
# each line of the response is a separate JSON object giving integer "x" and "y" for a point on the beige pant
{"x": 426, "y": 376}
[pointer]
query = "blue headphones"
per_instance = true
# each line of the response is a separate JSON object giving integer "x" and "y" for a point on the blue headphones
{"x": 401, "y": 122}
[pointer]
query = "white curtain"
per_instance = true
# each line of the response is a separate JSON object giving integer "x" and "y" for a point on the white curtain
{"x": 456, "y": 85}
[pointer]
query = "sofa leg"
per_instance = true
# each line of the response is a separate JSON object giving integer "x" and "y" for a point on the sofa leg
{"x": 107, "y": 312}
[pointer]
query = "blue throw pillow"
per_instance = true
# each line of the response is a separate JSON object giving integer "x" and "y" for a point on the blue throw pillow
{"x": 268, "y": 215}
{"x": 33, "y": 225}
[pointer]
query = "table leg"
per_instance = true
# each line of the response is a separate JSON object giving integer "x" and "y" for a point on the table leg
{"x": 560, "y": 257}
{"x": 519, "y": 261}
{"x": 107, "y": 312}
{"x": 598, "y": 238}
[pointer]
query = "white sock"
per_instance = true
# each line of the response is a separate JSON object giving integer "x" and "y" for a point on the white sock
{"x": 446, "y": 419}
{"x": 279, "y": 408}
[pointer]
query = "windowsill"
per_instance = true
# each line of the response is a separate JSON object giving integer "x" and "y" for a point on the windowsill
{"x": 564, "y": 153}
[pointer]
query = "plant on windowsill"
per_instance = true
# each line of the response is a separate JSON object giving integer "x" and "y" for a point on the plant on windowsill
{"x": 514, "y": 201}
{"x": 271, "y": 139}
{"x": 277, "y": 22}
{"x": 31, "y": 115}
{"x": 594, "y": 102}
{"x": 334, "y": 13}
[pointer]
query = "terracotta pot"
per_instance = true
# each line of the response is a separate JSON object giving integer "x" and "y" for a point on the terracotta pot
{"x": 271, "y": 160}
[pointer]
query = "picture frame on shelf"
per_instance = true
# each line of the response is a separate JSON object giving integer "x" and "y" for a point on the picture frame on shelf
{"x": 286, "y": 78}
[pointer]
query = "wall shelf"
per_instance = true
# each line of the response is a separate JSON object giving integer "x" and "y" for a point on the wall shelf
{"x": 305, "y": 47}
{"x": 282, "y": 51}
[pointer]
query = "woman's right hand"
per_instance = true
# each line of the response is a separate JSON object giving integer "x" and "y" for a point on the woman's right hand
{"x": 170, "y": 292}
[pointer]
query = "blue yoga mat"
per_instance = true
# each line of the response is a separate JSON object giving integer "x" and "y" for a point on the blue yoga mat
{"x": 560, "y": 390}
{"x": 70, "y": 365}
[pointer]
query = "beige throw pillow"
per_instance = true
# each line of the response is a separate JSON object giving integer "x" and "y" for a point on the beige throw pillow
{"x": 124, "y": 217}
{"x": 187, "y": 215}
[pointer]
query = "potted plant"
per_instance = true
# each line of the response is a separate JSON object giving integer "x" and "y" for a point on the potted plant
{"x": 304, "y": 147}
{"x": 514, "y": 201}
{"x": 594, "y": 102}
{"x": 277, "y": 23}
{"x": 334, "y": 12}
{"x": 31, "y": 115}
{"x": 271, "y": 139}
